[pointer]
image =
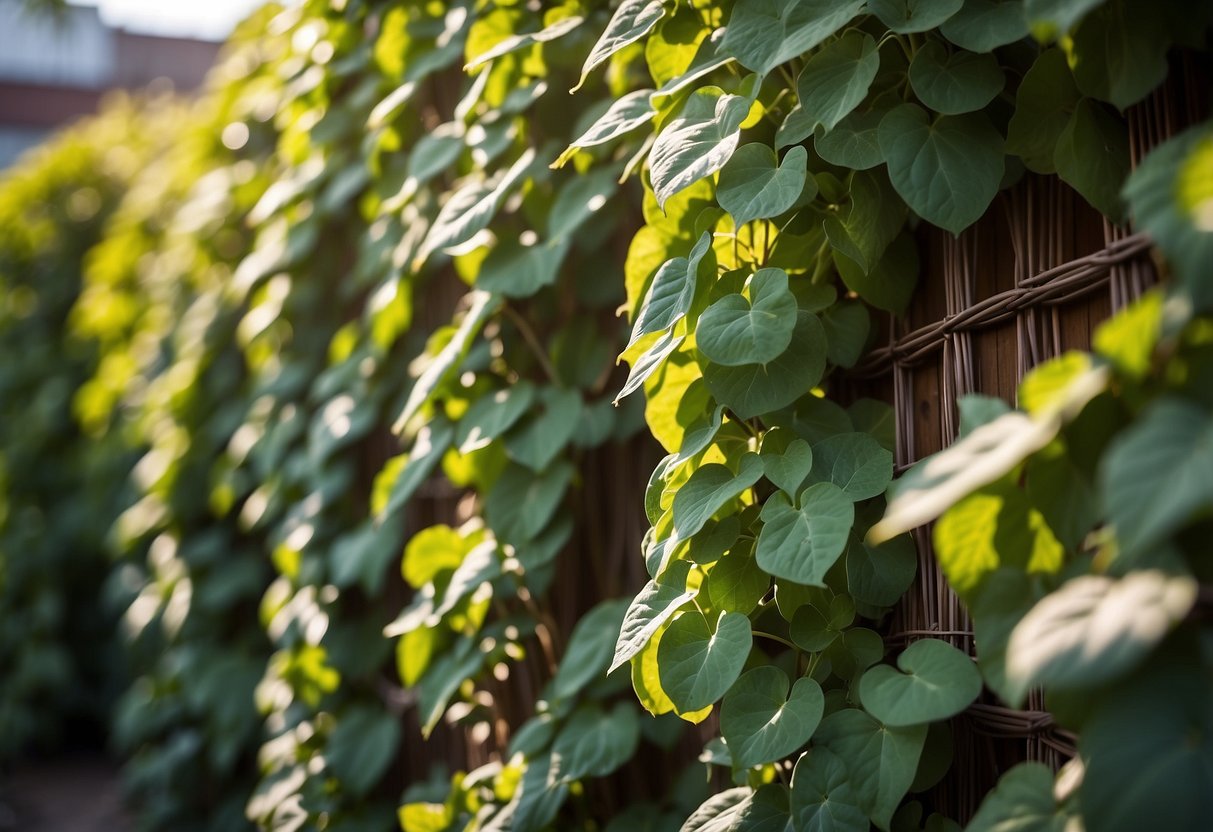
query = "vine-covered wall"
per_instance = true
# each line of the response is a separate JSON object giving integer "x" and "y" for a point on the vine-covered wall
{"x": 404, "y": 545}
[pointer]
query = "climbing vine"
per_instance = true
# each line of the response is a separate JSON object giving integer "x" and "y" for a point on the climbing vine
{"x": 368, "y": 318}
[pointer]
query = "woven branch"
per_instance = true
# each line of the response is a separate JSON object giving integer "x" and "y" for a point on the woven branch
{"x": 1057, "y": 285}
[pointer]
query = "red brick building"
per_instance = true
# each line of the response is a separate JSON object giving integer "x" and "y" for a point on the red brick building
{"x": 54, "y": 69}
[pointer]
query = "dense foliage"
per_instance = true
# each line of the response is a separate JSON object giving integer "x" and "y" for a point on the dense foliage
{"x": 389, "y": 222}
{"x": 59, "y": 489}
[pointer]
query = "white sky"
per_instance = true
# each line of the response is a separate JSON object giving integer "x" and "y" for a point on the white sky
{"x": 211, "y": 19}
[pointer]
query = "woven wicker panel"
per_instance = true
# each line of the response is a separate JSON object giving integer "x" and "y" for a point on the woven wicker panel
{"x": 1030, "y": 281}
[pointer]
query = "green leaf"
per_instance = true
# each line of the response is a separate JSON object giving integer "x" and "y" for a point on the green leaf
{"x": 431, "y": 552}
{"x": 520, "y": 41}
{"x": 541, "y": 439}
{"x": 1021, "y": 802}
{"x": 1158, "y": 473}
{"x": 889, "y": 285}
{"x": 1130, "y": 337}
{"x": 539, "y": 796}
{"x": 802, "y": 544}
{"x": 519, "y": 268}
{"x": 855, "y": 463}
{"x": 989, "y": 530}
{"x": 936, "y": 681}
{"x": 880, "y": 575}
{"x": 735, "y": 331}
{"x": 623, "y": 116}
{"x": 881, "y": 760}
{"x": 980, "y": 458}
{"x": 1095, "y": 628}
{"x": 431, "y": 443}
{"x": 1052, "y": 18}
{"x": 753, "y": 389}
{"x": 721, "y": 812}
{"x": 671, "y": 292}
{"x": 822, "y": 797}
{"x": 1120, "y": 52}
{"x": 1092, "y": 155}
{"x": 1044, "y": 102}
{"x": 907, "y": 16}
{"x": 874, "y": 217}
{"x": 708, "y": 490}
{"x": 590, "y": 648}
{"x": 631, "y": 21}
{"x": 954, "y": 82}
{"x": 755, "y": 185}
{"x": 594, "y": 743}
{"x": 847, "y": 325}
{"x": 795, "y": 128}
{"x": 579, "y": 199}
{"x": 522, "y": 502}
{"x": 759, "y": 720}
{"x": 698, "y": 142}
{"x": 442, "y": 680}
{"x": 479, "y": 566}
{"x": 736, "y": 583}
{"x": 470, "y": 209}
{"x": 836, "y": 78}
{"x": 762, "y": 34}
{"x": 1169, "y": 199}
{"x": 984, "y": 25}
{"x": 854, "y": 142}
{"x": 1148, "y": 750}
{"x": 492, "y": 415}
{"x": 948, "y": 170}
{"x": 648, "y": 363}
{"x": 786, "y": 460}
{"x": 481, "y": 305}
{"x": 362, "y": 744}
{"x": 651, "y": 608}
{"x": 697, "y": 663}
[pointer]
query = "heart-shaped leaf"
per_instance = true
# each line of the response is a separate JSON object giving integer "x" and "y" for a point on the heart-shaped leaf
{"x": 697, "y": 663}
{"x": 1158, "y": 473}
{"x": 907, "y": 16}
{"x": 736, "y": 583}
{"x": 708, "y": 489}
{"x": 762, "y": 723}
{"x": 1095, "y": 628}
{"x": 880, "y": 760}
{"x": 652, "y": 607}
{"x": 836, "y": 78}
{"x": 854, "y": 142}
{"x": 984, "y": 25}
{"x": 754, "y": 389}
{"x": 802, "y": 544}
{"x": 698, "y": 142}
{"x": 734, "y": 331}
{"x": 631, "y": 21}
{"x": 954, "y": 82}
{"x": 948, "y": 170}
{"x": 1022, "y": 801}
{"x": 755, "y": 185}
{"x": 879, "y": 575}
{"x": 670, "y": 293}
{"x": 786, "y": 460}
{"x": 936, "y": 681}
{"x": 855, "y": 462}
{"x": 822, "y": 797}
{"x": 762, "y": 34}
{"x": 594, "y": 743}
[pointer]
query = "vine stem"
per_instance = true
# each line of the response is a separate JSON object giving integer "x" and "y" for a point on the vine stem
{"x": 774, "y": 637}
{"x": 532, "y": 342}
